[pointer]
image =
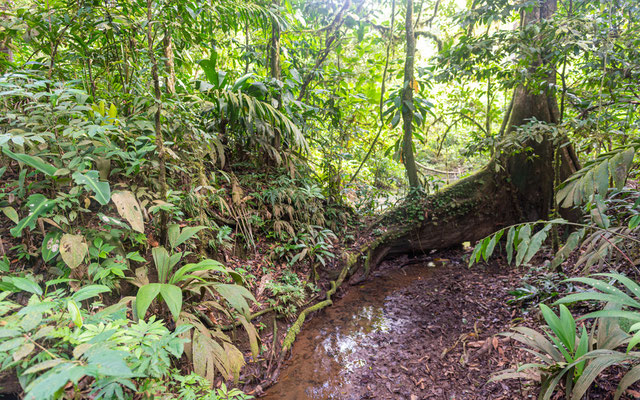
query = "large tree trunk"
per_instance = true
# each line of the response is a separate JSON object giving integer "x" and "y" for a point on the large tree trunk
{"x": 509, "y": 190}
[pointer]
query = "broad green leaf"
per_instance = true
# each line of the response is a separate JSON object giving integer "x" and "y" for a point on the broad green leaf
{"x": 554, "y": 322}
{"x": 601, "y": 178}
{"x": 129, "y": 209}
{"x": 492, "y": 244}
{"x": 113, "y": 111}
{"x": 173, "y": 231}
{"x": 73, "y": 249}
{"x": 38, "y": 205}
{"x": 108, "y": 362}
{"x": 172, "y": 296}
{"x": 146, "y": 295}
{"x": 475, "y": 254}
{"x": 31, "y": 161}
{"x": 572, "y": 243}
{"x": 632, "y": 286}
{"x": 74, "y": 313}
{"x": 91, "y": 181}
{"x": 27, "y": 285}
{"x": 590, "y": 296}
{"x": 630, "y": 315}
{"x": 89, "y": 291}
{"x": 634, "y": 222}
{"x": 593, "y": 369}
{"x": 523, "y": 237}
{"x": 12, "y": 344}
{"x": 536, "y": 242}
{"x": 186, "y": 234}
{"x": 509, "y": 246}
{"x": 236, "y": 295}
{"x": 183, "y": 273}
{"x": 162, "y": 261}
{"x": 564, "y": 196}
{"x": 48, "y": 384}
{"x": 6, "y": 332}
{"x": 635, "y": 339}
{"x": 620, "y": 296}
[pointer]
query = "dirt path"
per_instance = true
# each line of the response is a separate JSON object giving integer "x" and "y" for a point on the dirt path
{"x": 418, "y": 332}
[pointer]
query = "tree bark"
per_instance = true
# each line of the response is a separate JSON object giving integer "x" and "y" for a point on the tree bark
{"x": 169, "y": 62}
{"x": 408, "y": 157}
{"x": 6, "y": 54}
{"x": 274, "y": 48}
{"x": 510, "y": 189}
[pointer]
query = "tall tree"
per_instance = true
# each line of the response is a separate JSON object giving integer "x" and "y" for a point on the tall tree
{"x": 511, "y": 188}
{"x": 408, "y": 158}
{"x": 274, "y": 47}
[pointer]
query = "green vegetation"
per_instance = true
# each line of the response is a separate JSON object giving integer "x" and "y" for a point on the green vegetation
{"x": 176, "y": 174}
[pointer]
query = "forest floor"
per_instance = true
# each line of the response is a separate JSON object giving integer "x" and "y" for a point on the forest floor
{"x": 413, "y": 331}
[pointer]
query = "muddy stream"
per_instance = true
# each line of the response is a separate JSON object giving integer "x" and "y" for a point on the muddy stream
{"x": 369, "y": 335}
{"x": 423, "y": 331}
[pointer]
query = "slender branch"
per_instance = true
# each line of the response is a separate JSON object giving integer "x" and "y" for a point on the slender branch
{"x": 382, "y": 91}
{"x": 623, "y": 254}
{"x": 162, "y": 177}
{"x": 332, "y": 35}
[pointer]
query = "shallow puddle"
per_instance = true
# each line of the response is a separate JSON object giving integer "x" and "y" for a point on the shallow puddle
{"x": 334, "y": 353}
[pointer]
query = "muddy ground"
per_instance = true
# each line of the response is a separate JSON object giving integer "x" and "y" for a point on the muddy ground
{"x": 420, "y": 331}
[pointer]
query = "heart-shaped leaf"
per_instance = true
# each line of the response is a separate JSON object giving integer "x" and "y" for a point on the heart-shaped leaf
{"x": 73, "y": 249}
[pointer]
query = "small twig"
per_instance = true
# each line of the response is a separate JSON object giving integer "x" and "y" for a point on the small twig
{"x": 40, "y": 346}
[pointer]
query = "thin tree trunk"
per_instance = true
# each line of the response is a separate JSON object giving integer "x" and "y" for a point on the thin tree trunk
{"x": 6, "y": 54}
{"x": 162, "y": 172}
{"x": 274, "y": 48}
{"x": 275, "y": 68}
{"x": 408, "y": 157}
{"x": 332, "y": 34}
{"x": 169, "y": 61}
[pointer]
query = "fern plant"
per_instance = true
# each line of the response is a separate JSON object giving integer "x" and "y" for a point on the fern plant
{"x": 578, "y": 357}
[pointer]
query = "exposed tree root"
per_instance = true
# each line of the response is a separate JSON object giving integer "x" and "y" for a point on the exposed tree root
{"x": 465, "y": 211}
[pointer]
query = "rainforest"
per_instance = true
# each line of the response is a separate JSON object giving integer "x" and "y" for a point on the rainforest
{"x": 319, "y": 199}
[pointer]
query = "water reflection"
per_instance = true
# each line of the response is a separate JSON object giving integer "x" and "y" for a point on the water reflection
{"x": 334, "y": 348}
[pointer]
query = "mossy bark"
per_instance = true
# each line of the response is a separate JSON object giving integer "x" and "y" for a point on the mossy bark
{"x": 512, "y": 188}
{"x": 408, "y": 158}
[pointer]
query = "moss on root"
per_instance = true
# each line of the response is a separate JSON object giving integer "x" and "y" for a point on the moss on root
{"x": 350, "y": 266}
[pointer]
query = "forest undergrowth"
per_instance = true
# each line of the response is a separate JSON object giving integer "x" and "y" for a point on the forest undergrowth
{"x": 185, "y": 184}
